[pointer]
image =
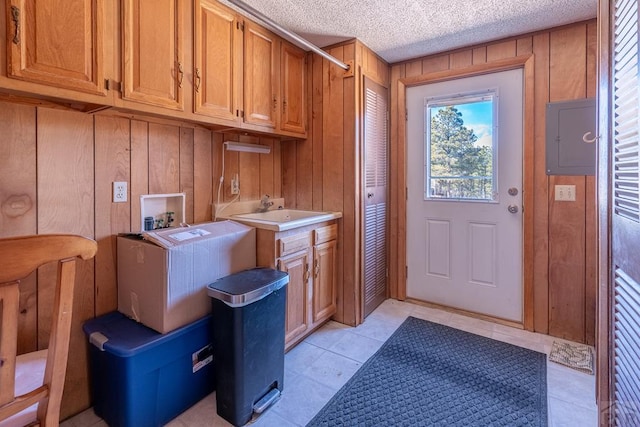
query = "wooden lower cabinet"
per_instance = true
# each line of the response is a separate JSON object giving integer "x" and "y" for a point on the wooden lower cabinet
{"x": 308, "y": 254}
{"x": 297, "y": 316}
{"x": 324, "y": 280}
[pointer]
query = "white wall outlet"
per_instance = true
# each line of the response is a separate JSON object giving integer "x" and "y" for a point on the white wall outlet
{"x": 565, "y": 193}
{"x": 235, "y": 184}
{"x": 120, "y": 191}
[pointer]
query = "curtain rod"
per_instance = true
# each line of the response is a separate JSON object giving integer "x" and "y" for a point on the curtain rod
{"x": 242, "y": 5}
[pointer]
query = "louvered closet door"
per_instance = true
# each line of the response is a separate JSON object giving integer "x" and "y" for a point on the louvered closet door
{"x": 625, "y": 214}
{"x": 376, "y": 142}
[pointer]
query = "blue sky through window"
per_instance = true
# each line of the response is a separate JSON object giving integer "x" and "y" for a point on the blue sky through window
{"x": 477, "y": 116}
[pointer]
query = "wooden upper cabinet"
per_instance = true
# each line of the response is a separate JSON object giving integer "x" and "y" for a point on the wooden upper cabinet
{"x": 153, "y": 64}
{"x": 56, "y": 43}
{"x": 292, "y": 86}
{"x": 260, "y": 76}
{"x": 217, "y": 73}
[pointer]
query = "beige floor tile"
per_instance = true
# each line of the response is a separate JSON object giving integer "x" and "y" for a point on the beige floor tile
{"x": 332, "y": 370}
{"x": 327, "y": 335}
{"x": 356, "y": 347}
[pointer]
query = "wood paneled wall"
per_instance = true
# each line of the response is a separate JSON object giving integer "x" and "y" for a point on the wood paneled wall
{"x": 56, "y": 173}
{"x": 564, "y": 234}
{"x": 324, "y": 171}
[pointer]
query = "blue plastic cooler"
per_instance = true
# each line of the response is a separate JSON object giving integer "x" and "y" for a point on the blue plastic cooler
{"x": 140, "y": 377}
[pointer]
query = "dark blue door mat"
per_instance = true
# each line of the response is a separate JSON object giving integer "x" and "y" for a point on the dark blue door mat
{"x": 428, "y": 374}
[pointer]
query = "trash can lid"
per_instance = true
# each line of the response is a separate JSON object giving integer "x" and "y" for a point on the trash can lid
{"x": 248, "y": 286}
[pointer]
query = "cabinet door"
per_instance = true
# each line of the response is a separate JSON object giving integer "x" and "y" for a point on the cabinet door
{"x": 324, "y": 280}
{"x": 292, "y": 84}
{"x": 297, "y": 317}
{"x": 260, "y": 76}
{"x": 153, "y": 69}
{"x": 218, "y": 61}
{"x": 57, "y": 43}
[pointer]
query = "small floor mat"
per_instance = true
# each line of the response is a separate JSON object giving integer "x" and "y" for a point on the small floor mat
{"x": 575, "y": 356}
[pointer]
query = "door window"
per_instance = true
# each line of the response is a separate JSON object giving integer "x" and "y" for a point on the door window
{"x": 460, "y": 147}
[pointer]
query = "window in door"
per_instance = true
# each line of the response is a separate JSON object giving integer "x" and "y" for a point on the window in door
{"x": 460, "y": 147}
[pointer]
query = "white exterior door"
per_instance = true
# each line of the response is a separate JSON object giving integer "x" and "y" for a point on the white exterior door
{"x": 464, "y": 203}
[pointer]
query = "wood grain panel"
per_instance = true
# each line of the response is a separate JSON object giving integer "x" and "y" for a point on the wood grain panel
{"x": 289, "y": 175}
{"x": 435, "y": 63}
{"x": 186, "y": 171}
{"x": 524, "y": 46}
{"x": 333, "y": 136}
{"x": 479, "y": 55}
{"x": 66, "y": 205}
{"x": 249, "y": 172}
{"x": 203, "y": 178}
{"x": 461, "y": 59}
{"x": 112, "y": 163}
{"x": 349, "y": 268}
{"x": 277, "y": 169}
{"x": 18, "y": 203}
{"x": 231, "y": 161}
{"x": 164, "y": 156}
{"x": 541, "y": 188}
{"x": 139, "y": 170}
{"x": 267, "y": 167}
{"x": 333, "y": 146}
{"x": 566, "y": 263}
{"x": 506, "y": 49}
{"x": 567, "y": 78}
{"x": 304, "y": 181}
{"x": 394, "y": 195}
{"x": 413, "y": 68}
{"x": 528, "y": 192}
{"x": 567, "y": 59}
{"x": 591, "y": 261}
{"x": 217, "y": 154}
{"x": 316, "y": 96}
{"x": 401, "y": 156}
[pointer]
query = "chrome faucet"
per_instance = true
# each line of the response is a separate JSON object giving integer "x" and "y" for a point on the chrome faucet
{"x": 265, "y": 204}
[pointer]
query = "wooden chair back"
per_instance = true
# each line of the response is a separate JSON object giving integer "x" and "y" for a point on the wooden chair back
{"x": 19, "y": 257}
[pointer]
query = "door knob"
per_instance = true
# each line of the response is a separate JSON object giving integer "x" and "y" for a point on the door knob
{"x": 369, "y": 195}
{"x": 513, "y": 191}
{"x": 513, "y": 209}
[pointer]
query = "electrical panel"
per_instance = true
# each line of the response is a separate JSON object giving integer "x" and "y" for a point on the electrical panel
{"x": 570, "y": 125}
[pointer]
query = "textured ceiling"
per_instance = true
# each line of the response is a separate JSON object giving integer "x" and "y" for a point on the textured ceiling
{"x": 402, "y": 29}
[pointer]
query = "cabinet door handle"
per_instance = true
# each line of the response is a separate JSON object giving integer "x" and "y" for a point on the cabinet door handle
{"x": 180, "y": 74}
{"x": 275, "y": 103}
{"x": 15, "y": 17}
{"x": 198, "y": 80}
{"x": 306, "y": 274}
{"x": 284, "y": 106}
{"x": 316, "y": 269}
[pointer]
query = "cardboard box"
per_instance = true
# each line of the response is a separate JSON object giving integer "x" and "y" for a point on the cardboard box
{"x": 163, "y": 278}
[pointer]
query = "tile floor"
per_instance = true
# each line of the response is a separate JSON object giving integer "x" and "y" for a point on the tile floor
{"x": 316, "y": 368}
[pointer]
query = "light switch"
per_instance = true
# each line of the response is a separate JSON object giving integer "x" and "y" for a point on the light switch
{"x": 565, "y": 193}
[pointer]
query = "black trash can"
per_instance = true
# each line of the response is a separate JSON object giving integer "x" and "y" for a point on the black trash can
{"x": 248, "y": 341}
